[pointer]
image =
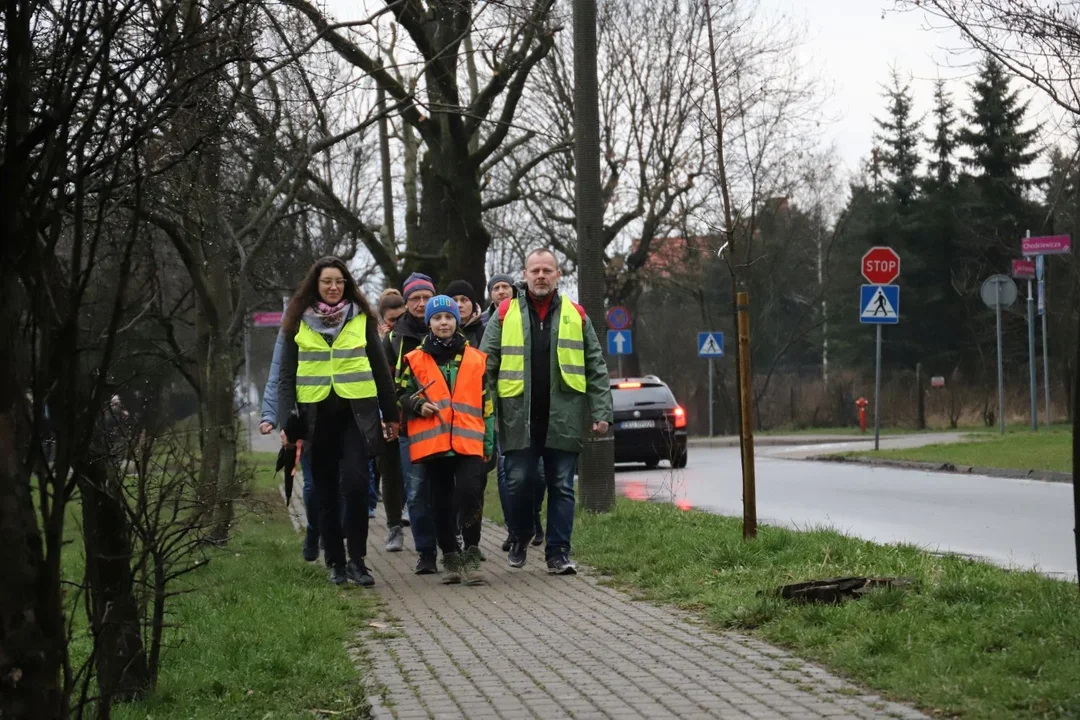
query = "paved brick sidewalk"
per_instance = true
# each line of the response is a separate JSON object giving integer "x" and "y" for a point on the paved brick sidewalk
{"x": 527, "y": 645}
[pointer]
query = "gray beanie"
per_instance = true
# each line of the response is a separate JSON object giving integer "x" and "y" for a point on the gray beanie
{"x": 498, "y": 278}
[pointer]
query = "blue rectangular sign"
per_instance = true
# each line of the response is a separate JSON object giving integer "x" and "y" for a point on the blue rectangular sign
{"x": 710, "y": 344}
{"x": 620, "y": 342}
{"x": 879, "y": 304}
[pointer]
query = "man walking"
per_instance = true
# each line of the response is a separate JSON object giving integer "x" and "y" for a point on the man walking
{"x": 550, "y": 370}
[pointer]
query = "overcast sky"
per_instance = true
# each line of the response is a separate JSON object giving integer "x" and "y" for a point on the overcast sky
{"x": 851, "y": 46}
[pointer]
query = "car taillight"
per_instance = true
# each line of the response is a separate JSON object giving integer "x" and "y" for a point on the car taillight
{"x": 628, "y": 386}
{"x": 680, "y": 417}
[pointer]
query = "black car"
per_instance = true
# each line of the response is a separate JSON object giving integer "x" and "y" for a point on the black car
{"x": 650, "y": 425}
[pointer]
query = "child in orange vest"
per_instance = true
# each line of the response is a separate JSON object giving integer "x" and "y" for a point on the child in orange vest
{"x": 451, "y": 428}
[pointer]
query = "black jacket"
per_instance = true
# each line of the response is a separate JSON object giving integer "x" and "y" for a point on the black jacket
{"x": 365, "y": 411}
{"x": 474, "y": 331}
{"x": 406, "y": 337}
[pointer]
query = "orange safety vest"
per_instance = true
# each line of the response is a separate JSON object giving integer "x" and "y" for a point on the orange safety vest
{"x": 459, "y": 424}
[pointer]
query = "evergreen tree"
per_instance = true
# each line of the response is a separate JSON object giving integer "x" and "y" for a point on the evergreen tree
{"x": 1000, "y": 149}
{"x": 942, "y": 169}
{"x": 899, "y": 138}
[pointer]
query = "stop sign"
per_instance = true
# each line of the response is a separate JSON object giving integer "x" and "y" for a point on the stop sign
{"x": 880, "y": 265}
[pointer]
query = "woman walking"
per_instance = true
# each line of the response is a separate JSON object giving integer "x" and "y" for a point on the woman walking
{"x": 333, "y": 372}
{"x": 451, "y": 431}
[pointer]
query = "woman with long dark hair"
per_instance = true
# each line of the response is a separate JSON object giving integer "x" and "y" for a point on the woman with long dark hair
{"x": 334, "y": 374}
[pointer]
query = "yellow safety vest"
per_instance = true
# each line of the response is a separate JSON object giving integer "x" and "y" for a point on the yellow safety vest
{"x": 569, "y": 342}
{"x": 343, "y": 366}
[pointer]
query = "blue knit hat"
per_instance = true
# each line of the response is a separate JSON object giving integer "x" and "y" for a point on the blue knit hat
{"x": 438, "y": 304}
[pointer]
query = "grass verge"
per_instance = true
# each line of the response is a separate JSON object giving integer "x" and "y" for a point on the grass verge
{"x": 973, "y": 640}
{"x": 1016, "y": 450}
{"x": 261, "y": 634}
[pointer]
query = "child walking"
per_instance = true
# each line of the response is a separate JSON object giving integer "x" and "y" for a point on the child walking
{"x": 451, "y": 430}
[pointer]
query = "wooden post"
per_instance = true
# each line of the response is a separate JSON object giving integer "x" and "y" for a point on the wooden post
{"x": 747, "y": 429}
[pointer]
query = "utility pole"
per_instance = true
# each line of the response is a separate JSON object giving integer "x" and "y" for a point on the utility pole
{"x": 598, "y": 456}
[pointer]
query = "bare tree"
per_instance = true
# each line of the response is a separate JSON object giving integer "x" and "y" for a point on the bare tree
{"x": 458, "y": 137}
{"x": 1039, "y": 42}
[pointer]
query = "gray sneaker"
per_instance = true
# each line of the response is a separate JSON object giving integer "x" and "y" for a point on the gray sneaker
{"x": 395, "y": 540}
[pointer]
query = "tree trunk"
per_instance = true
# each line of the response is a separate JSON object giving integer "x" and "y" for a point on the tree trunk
{"x": 453, "y": 241}
{"x": 114, "y": 613}
{"x": 31, "y": 628}
{"x": 597, "y": 458}
{"x": 217, "y": 469}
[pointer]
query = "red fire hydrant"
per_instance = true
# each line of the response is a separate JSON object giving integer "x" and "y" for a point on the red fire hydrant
{"x": 861, "y": 403}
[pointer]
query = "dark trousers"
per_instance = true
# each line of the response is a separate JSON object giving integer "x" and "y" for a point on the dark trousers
{"x": 339, "y": 466}
{"x": 393, "y": 486}
{"x": 457, "y": 495}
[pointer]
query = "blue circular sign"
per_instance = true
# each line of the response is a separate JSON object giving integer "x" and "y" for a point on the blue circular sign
{"x": 618, "y": 318}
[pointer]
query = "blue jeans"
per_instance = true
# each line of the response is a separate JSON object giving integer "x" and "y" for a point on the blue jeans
{"x": 418, "y": 500}
{"x": 504, "y": 496}
{"x": 311, "y": 500}
{"x": 523, "y": 477}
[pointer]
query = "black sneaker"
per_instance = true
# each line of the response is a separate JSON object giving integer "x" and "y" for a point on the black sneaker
{"x": 538, "y": 538}
{"x": 311, "y": 546}
{"x": 517, "y": 554}
{"x": 358, "y": 574}
{"x": 425, "y": 564}
{"x": 507, "y": 542}
{"x": 561, "y": 565}
{"x": 338, "y": 576}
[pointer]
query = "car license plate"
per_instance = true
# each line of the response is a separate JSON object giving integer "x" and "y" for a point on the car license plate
{"x": 637, "y": 424}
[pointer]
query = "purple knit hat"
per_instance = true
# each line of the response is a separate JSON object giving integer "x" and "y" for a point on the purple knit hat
{"x": 415, "y": 283}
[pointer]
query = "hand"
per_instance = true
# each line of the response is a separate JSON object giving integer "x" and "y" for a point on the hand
{"x": 600, "y": 428}
{"x": 428, "y": 409}
{"x": 265, "y": 428}
{"x": 390, "y": 431}
{"x": 284, "y": 440}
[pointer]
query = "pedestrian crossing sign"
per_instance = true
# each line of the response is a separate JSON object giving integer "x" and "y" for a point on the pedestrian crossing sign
{"x": 879, "y": 304}
{"x": 710, "y": 344}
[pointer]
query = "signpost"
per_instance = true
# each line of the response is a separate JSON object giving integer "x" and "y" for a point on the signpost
{"x": 880, "y": 265}
{"x": 1040, "y": 273}
{"x": 1023, "y": 269}
{"x": 999, "y": 291}
{"x": 1031, "y": 338}
{"x": 710, "y": 345}
{"x": 879, "y": 304}
{"x": 1046, "y": 245}
{"x": 618, "y": 319}
{"x": 620, "y": 342}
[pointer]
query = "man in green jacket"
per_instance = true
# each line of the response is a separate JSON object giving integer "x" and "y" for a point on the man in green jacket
{"x": 549, "y": 372}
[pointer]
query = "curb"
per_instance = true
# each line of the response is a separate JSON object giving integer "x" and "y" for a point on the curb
{"x": 771, "y": 441}
{"x": 1040, "y": 475}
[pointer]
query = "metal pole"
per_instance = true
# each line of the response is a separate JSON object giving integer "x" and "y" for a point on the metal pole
{"x": 1046, "y": 370}
{"x": 247, "y": 382}
{"x": 1001, "y": 380}
{"x": 711, "y": 433}
{"x": 747, "y": 420}
{"x": 877, "y": 389}
{"x": 1031, "y": 358}
{"x": 1044, "y": 307}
